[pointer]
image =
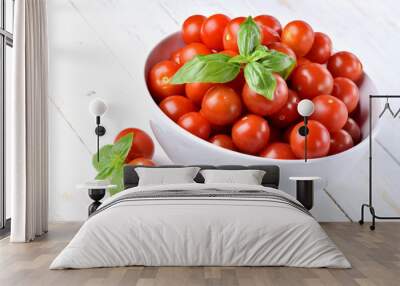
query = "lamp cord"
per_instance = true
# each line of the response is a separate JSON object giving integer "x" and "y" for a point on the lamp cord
{"x": 98, "y": 145}
{"x": 305, "y": 138}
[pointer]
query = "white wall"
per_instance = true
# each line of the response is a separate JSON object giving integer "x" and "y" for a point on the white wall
{"x": 98, "y": 48}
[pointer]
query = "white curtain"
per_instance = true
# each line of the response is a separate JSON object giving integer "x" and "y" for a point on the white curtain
{"x": 28, "y": 116}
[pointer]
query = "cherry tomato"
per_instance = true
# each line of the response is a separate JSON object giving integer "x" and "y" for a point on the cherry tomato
{"x": 288, "y": 114}
{"x": 321, "y": 49}
{"x": 196, "y": 91}
{"x": 340, "y": 141}
{"x": 346, "y": 91}
{"x": 302, "y": 61}
{"x": 345, "y": 64}
{"x": 142, "y": 144}
{"x": 191, "y": 29}
{"x": 175, "y": 106}
{"x": 212, "y": 31}
{"x": 141, "y": 162}
{"x": 310, "y": 80}
{"x": 230, "y": 34}
{"x": 221, "y": 105}
{"x": 269, "y": 21}
{"x": 299, "y": 36}
{"x": 353, "y": 129}
{"x": 176, "y": 57}
{"x": 278, "y": 150}
{"x": 190, "y": 51}
{"x": 283, "y": 48}
{"x": 318, "y": 140}
{"x": 330, "y": 111}
{"x": 268, "y": 35}
{"x": 196, "y": 124}
{"x": 224, "y": 141}
{"x": 250, "y": 134}
{"x": 260, "y": 105}
{"x": 159, "y": 78}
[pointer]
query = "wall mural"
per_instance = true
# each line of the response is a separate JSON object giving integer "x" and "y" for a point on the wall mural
{"x": 108, "y": 50}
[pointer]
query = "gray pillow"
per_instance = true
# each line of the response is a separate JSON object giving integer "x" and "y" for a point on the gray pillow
{"x": 165, "y": 176}
{"x": 246, "y": 177}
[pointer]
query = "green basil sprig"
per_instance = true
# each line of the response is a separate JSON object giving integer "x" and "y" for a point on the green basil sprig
{"x": 257, "y": 61}
{"x": 249, "y": 37}
{"x": 260, "y": 79}
{"x": 111, "y": 164}
{"x": 208, "y": 68}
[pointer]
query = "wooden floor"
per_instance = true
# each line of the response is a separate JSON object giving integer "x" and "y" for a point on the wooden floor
{"x": 375, "y": 257}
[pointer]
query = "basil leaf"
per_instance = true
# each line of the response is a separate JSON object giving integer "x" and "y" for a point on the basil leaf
{"x": 105, "y": 156}
{"x": 239, "y": 59}
{"x": 214, "y": 57}
{"x": 260, "y": 79}
{"x": 260, "y": 52}
{"x": 280, "y": 63}
{"x": 213, "y": 68}
{"x": 123, "y": 145}
{"x": 249, "y": 37}
{"x": 105, "y": 173}
{"x": 117, "y": 179}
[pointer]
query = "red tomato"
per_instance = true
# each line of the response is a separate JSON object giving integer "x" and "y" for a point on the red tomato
{"x": 330, "y": 111}
{"x": 260, "y": 105}
{"x": 159, "y": 78}
{"x": 353, "y": 129}
{"x": 221, "y": 105}
{"x": 250, "y": 134}
{"x": 321, "y": 49}
{"x": 212, "y": 31}
{"x": 269, "y": 21}
{"x": 340, "y": 141}
{"x": 142, "y": 144}
{"x": 175, "y": 106}
{"x": 288, "y": 114}
{"x": 318, "y": 140}
{"x": 302, "y": 61}
{"x": 176, "y": 57}
{"x": 346, "y": 91}
{"x": 191, "y": 28}
{"x": 310, "y": 80}
{"x": 299, "y": 36}
{"x": 190, "y": 51}
{"x": 283, "y": 48}
{"x": 230, "y": 34}
{"x": 278, "y": 150}
{"x": 196, "y": 124}
{"x": 224, "y": 141}
{"x": 196, "y": 91}
{"x": 228, "y": 53}
{"x": 141, "y": 162}
{"x": 268, "y": 35}
{"x": 345, "y": 64}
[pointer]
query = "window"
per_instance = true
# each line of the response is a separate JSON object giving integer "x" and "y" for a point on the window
{"x": 6, "y": 43}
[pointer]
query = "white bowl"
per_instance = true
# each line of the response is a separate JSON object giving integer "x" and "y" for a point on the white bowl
{"x": 184, "y": 148}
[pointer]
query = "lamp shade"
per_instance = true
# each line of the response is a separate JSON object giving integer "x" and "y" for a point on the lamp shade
{"x": 97, "y": 107}
{"x": 305, "y": 107}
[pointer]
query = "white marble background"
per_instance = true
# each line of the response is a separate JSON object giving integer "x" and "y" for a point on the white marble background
{"x": 98, "y": 48}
